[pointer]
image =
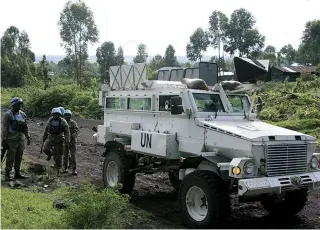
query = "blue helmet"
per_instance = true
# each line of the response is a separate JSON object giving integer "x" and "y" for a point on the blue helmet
{"x": 67, "y": 111}
{"x": 56, "y": 110}
{"x": 62, "y": 110}
{"x": 16, "y": 100}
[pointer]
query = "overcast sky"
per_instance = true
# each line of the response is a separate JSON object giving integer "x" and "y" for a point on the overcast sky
{"x": 156, "y": 23}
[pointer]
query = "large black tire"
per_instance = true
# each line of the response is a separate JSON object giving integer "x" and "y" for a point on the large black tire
{"x": 174, "y": 179}
{"x": 292, "y": 203}
{"x": 216, "y": 200}
{"x": 123, "y": 164}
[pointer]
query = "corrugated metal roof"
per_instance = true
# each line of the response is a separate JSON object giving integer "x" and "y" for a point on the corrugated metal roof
{"x": 288, "y": 69}
{"x": 303, "y": 69}
{"x": 297, "y": 69}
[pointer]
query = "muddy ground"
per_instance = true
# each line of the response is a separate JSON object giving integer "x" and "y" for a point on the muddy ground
{"x": 154, "y": 193}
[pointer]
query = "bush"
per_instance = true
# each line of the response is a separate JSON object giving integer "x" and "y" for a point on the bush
{"x": 89, "y": 208}
{"x": 307, "y": 77}
{"x": 24, "y": 210}
{"x": 39, "y": 102}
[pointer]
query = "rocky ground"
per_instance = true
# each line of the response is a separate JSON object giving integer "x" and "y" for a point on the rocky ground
{"x": 154, "y": 193}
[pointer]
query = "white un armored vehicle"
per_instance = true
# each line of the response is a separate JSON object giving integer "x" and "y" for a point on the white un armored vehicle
{"x": 207, "y": 138}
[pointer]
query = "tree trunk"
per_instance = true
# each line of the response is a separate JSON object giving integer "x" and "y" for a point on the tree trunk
{"x": 219, "y": 68}
{"x": 76, "y": 57}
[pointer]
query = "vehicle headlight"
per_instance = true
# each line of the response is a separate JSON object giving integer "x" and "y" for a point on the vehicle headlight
{"x": 314, "y": 162}
{"x": 248, "y": 167}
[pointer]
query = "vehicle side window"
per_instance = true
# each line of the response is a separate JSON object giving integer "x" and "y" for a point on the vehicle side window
{"x": 139, "y": 103}
{"x": 239, "y": 103}
{"x": 115, "y": 103}
{"x": 164, "y": 102}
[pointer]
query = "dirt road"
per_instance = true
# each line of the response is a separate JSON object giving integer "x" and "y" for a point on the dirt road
{"x": 154, "y": 193}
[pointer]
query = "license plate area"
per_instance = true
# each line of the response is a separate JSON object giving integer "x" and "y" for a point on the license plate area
{"x": 256, "y": 184}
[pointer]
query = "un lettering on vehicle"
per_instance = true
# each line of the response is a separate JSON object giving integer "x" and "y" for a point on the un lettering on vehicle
{"x": 154, "y": 144}
{"x": 146, "y": 140}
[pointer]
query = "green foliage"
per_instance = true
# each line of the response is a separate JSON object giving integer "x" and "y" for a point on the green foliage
{"x": 170, "y": 60}
{"x": 142, "y": 54}
{"x": 119, "y": 56}
{"x": 241, "y": 36}
{"x": 89, "y": 208}
{"x": 62, "y": 92}
{"x": 199, "y": 42}
{"x": 25, "y": 210}
{"x": 106, "y": 57}
{"x": 16, "y": 58}
{"x": 44, "y": 70}
{"x": 293, "y": 105}
{"x": 218, "y": 23}
{"x": 156, "y": 62}
{"x": 288, "y": 54}
{"x": 270, "y": 54}
{"x": 309, "y": 50}
{"x": 77, "y": 29}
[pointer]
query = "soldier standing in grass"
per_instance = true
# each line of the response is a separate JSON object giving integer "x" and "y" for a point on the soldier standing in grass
{"x": 56, "y": 136}
{"x": 72, "y": 148}
{"x": 15, "y": 130}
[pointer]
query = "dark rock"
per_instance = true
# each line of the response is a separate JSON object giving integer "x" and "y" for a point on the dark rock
{"x": 36, "y": 168}
{"x": 59, "y": 204}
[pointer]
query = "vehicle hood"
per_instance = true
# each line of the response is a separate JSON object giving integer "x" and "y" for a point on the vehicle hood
{"x": 254, "y": 130}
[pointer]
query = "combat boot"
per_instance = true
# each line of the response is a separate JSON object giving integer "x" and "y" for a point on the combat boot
{"x": 7, "y": 177}
{"x": 65, "y": 170}
{"x": 18, "y": 175}
{"x": 74, "y": 172}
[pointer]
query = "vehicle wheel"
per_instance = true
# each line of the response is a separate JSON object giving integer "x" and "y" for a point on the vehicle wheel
{"x": 115, "y": 172}
{"x": 289, "y": 204}
{"x": 204, "y": 200}
{"x": 174, "y": 179}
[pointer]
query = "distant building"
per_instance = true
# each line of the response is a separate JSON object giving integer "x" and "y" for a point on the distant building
{"x": 278, "y": 73}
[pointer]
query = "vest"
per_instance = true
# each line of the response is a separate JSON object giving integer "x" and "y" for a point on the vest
{"x": 55, "y": 127}
{"x": 17, "y": 122}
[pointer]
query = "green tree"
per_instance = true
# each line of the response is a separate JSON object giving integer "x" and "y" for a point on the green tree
{"x": 142, "y": 54}
{"x": 106, "y": 57}
{"x": 218, "y": 23}
{"x": 77, "y": 29}
{"x": 44, "y": 67}
{"x": 17, "y": 60}
{"x": 241, "y": 36}
{"x": 65, "y": 67}
{"x": 156, "y": 62}
{"x": 269, "y": 53}
{"x": 309, "y": 49}
{"x": 170, "y": 59}
{"x": 199, "y": 42}
{"x": 119, "y": 56}
{"x": 289, "y": 54}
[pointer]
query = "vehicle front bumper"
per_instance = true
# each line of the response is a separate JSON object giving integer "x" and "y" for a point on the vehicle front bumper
{"x": 263, "y": 185}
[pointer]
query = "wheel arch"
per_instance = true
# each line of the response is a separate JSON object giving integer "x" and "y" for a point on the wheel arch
{"x": 200, "y": 163}
{"x": 112, "y": 145}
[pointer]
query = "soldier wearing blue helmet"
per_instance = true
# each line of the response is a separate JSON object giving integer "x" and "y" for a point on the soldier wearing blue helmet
{"x": 56, "y": 135}
{"x": 15, "y": 130}
{"x": 62, "y": 110}
{"x": 72, "y": 148}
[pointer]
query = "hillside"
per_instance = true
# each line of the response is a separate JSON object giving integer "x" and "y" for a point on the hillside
{"x": 293, "y": 105}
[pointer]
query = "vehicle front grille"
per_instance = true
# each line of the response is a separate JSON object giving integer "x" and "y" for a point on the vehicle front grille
{"x": 286, "y": 159}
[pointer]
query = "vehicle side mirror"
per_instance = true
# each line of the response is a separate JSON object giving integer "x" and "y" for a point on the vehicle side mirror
{"x": 176, "y": 105}
{"x": 259, "y": 104}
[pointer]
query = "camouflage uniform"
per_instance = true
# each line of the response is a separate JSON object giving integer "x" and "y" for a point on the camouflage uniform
{"x": 14, "y": 132}
{"x": 72, "y": 148}
{"x": 55, "y": 135}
